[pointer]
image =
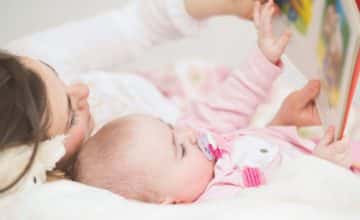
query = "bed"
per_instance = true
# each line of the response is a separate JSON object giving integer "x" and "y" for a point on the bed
{"x": 308, "y": 188}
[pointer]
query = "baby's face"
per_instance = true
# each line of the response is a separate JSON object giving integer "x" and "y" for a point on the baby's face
{"x": 178, "y": 167}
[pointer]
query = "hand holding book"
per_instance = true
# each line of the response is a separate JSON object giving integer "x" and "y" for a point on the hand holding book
{"x": 299, "y": 109}
{"x": 324, "y": 46}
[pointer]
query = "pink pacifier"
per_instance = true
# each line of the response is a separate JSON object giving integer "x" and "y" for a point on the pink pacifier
{"x": 209, "y": 147}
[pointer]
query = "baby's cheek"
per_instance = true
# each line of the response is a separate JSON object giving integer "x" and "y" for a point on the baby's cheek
{"x": 202, "y": 171}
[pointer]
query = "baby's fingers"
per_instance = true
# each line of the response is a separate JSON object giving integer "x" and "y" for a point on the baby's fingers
{"x": 257, "y": 15}
{"x": 284, "y": 41}
{"x": 328, "y": 137}
{"x": 342, "y": 146}
{"x": 268, "y": 15}
{"x": 265, "y": 18}
{"x": 343, "y": 155}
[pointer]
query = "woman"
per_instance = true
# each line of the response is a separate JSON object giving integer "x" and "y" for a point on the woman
{"x": 37, "y": 105}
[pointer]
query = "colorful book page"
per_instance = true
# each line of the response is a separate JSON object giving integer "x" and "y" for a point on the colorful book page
{"x": 298, "y": 12}
{"x": 332, "y": 49}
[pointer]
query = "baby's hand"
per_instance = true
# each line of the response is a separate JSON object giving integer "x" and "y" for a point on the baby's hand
{"x": 338, "y": 152}
{"x": 271, "y": 46}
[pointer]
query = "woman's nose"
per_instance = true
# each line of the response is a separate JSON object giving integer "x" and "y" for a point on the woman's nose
{"x": 79, "y": 91}
{"x": 79, "y": 94}
{"x": 82, "y": 104}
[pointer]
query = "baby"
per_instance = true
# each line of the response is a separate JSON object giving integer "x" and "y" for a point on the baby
{"x": 209, "y": 153}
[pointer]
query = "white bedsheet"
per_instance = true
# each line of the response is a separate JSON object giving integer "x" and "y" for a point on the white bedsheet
{"x": 309, "y": 189}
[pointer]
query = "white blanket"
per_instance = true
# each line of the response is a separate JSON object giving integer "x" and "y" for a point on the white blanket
{"x": 308, "y": 188}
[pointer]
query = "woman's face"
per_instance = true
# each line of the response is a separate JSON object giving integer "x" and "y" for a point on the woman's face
{"x": 68, "y": 106}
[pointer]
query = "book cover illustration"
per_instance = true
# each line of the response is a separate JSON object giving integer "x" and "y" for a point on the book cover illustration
{"x": 324, "y": 46}
{"x": 332, "y": 48}
{"x": 298, "y": 12}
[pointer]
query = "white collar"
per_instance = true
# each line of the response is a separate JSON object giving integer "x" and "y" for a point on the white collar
{"x": 14, "y": 160}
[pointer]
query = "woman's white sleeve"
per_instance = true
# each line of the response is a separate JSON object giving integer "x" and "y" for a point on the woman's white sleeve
{"x": 109, "y": 39}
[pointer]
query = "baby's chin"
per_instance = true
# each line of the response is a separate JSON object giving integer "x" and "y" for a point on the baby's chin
{"x": 198, "y": 194}
{"x": 205, "y": 180}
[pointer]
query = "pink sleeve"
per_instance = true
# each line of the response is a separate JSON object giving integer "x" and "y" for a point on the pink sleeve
{"x": 229, "y": 180}
{"x": 231, "y": 106}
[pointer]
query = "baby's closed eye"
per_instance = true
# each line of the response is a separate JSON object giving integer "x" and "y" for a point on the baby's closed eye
{"x": 183, "y": 150}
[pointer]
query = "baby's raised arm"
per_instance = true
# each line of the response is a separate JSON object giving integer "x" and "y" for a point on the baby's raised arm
{"x": 231, "y": 105}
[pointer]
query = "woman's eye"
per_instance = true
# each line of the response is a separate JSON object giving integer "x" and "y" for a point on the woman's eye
{"x": 73, "y": 119}
{"x": 183, "y": 151}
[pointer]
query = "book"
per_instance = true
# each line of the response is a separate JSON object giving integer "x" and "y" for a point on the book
{"x": 325, "y": 46}
{"x": 352, "y": 91}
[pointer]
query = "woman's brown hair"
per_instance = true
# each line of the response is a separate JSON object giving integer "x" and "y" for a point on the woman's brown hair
{"x": 24, "y": 117}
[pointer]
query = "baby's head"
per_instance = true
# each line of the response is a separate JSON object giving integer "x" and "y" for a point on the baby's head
{"x": 143, "y": 158}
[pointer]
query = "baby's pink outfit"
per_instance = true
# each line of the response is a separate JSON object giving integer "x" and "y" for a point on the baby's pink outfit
{"x": 248, "y": 156}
